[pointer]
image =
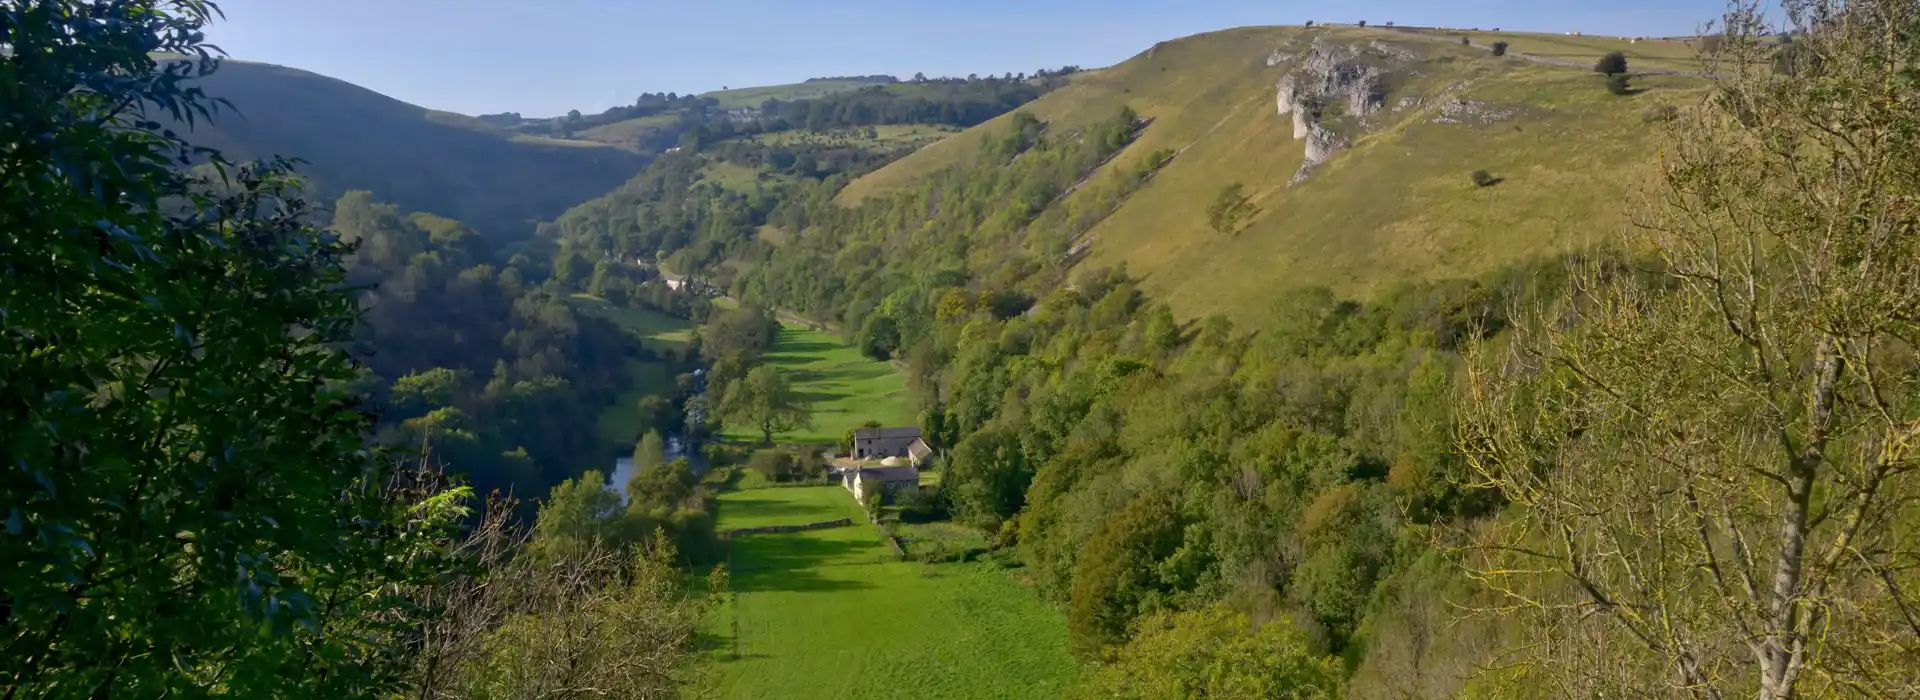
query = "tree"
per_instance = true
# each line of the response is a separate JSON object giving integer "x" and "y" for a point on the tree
{"x": 1499, "y": 48}
{"x": 765, "y": 399}
{"x": 649, "y": 452}
{"x": 775, "y": 465}
{"x": 1713, "y": 473}
{"x": 1229, "y": 210}
{"x": 1611, "y": 64}
{"x": 1464, "y": 41}
{"x": 1619, "y": 85}
{"x": 1215, "y": 653}
{"x": 166, "y": 344}
{"x": 1363, "y": 23}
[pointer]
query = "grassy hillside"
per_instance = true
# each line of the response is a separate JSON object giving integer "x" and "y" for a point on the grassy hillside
{"x": 831, "y": 614}
{"x": 755, "y": 96}
{"x": 420, "y": 159}
{"x": 1397, "y": 204}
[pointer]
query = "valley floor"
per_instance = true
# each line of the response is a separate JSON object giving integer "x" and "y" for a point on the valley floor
{"x": 832, "y": 614}
{"x": 844, "y": 388}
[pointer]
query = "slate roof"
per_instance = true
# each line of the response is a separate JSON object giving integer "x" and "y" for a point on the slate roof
{"x": 892, "y": 474}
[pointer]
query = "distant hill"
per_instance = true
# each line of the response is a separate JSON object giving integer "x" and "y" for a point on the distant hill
{"x": 1401, "y": 120}
{"x": 817, "y": 87}
{"x": 422, "y": 160}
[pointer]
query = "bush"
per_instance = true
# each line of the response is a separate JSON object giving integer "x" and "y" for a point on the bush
{"x": 775, "y": 465}
{"x": 1363, "y": 23}
{"x": 1611, "y": 64}
{"x": 1660, "y": 113}
{"x": 1618, "y": 85}
{"x": 1482, "y": 178}
{"x": 1499, "y": 48}
{"x": 1464, "y": 41}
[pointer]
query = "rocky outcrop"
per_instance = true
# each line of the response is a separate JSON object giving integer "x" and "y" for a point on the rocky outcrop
{"x": 1334, "y": 75}
{"x": 1322, "y": 143}
{"x": 1457, "y": 111}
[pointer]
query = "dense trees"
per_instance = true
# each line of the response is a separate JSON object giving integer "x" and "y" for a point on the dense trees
{"x": 189, "y": 505}
{"x": 490, "y": 367}
{"x": 1216, "y": 653}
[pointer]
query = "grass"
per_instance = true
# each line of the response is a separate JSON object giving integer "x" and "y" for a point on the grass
{"x": 1650, "y": 53}
{"x": 655, "y": 329}
{"x": 845, "y": 388}
{"x": 755, "y": 96}
{"x": 626, "y": 132}
{"x": 733, "y": 176}
{"x": 829, "y": 614}
{"x": 617, "y": 424}
{"x": 1396, "y": 205}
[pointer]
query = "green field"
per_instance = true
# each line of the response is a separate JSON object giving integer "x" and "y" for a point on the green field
{"x": 627, "y": 132}
{"x": 845, "y": 388}
{"x": 829, "y": 614}
{"x": 618, "y": 423}
{"x": 655, "y": 329}
{"x": 755, "y": 96}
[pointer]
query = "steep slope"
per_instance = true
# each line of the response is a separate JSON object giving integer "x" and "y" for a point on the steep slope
{"x": 420, "y": 159}
{"x": 1401, "y": 120}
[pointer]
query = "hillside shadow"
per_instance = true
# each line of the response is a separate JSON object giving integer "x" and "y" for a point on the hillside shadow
{"x": 797, "y": 513}
{"x": 782, "y": 562}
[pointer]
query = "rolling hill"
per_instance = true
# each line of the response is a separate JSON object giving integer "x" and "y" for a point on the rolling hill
{"x": 1401, "y": 119}
{"x": 420, "y": 159}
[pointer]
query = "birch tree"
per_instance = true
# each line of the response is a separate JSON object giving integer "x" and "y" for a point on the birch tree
{"x": 1711, "y": 476}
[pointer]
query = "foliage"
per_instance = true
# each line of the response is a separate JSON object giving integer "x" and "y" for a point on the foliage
{"x": 1713, "y": 473}
{"x": 1618, "y": 84}
{"x": 189, "y": 505}
{"x": 775, "y": 465}
{"x": 1118, "y": 578}
{"x": 1215, "y": 653}
{"x": 765, "y": 399}
{"x": 1500, "y": 48}
{"x": 591, "y": 623}
{"x": 1614, "y": 63}
{"x": 1230, "y": 207}
{"x": 494, "y": 373}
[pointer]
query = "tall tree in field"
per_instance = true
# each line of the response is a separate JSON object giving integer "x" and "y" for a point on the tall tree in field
{"x": 188, "y": 507}
{"x": 1714, "y": 479}
{"x": 765, "y": 399}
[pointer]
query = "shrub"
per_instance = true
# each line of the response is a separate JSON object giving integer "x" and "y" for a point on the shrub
{"x": 1611, "y": 64}
{"x": 1464, "y": 41}
{"x": 1309, "y": 23}
{"x": 1499, "y": 48}
{"x": 775, "y": 465}
{"x": 1660, "y": 113}
{"x": 1618, "y": 85}
{"x": 1482, "y": 178}
{"x": 1363, "y": 23}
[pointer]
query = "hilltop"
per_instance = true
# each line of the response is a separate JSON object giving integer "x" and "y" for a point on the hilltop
{"x": 1401, "y": 119}
{"x": 420, "y": 159}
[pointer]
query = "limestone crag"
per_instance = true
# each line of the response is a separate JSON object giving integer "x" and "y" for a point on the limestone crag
{"x": 1322, "y": 143}
{"x": 1334, "y": 75}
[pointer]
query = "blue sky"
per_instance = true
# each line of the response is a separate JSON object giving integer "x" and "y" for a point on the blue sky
{"x": 544, "y": 57}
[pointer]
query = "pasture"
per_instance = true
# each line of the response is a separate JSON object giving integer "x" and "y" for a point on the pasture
{"x": 844, "y": 388}
{"x": 831, "y": 614}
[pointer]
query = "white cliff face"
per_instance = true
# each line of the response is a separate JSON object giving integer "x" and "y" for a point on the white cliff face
{"x": 1322, "y": 144}
{"x": 1345, "y": 74}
